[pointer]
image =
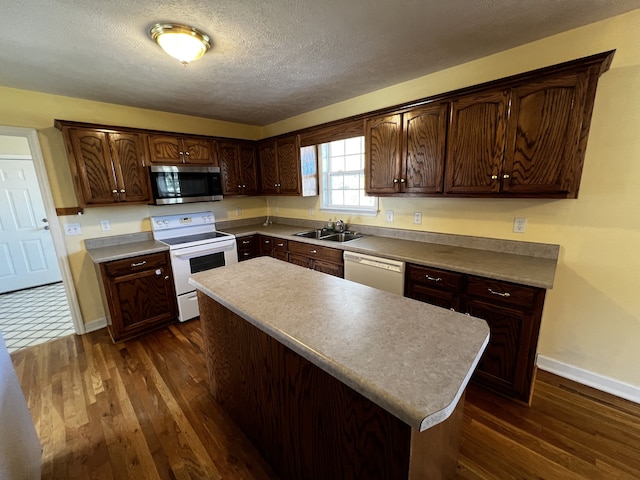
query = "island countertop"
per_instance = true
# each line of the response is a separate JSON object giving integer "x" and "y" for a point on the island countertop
{"x": 410, "y": 358}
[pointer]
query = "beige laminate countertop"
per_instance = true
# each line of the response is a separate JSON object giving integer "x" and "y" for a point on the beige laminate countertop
{"x": 410, "y": 358}
{"x": 107, "y": 249}
{"x": 529, "y": 270}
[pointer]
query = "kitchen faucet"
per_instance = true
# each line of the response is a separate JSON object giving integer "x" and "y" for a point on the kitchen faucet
{"x": 339, "y": 226}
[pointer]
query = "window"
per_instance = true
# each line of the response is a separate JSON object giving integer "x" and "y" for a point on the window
{"x": 342, "y": 180}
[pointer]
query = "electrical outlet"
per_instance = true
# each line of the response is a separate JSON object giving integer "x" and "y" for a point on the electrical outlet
{"x": 519, "y": 224}
{"x": 389, "y": 215}
{"x": 105, "y": 225}
{"x": 72, "y": 229}
{"x": 238, "y": 212}
{"x": 417, "y": 218}
{"x": 312, "y": 211}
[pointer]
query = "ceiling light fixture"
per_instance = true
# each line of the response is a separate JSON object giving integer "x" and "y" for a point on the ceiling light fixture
{"x": 181, "y": 41}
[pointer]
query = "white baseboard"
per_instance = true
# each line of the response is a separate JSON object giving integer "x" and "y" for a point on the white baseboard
{"x": 585, "y": 377}
{"x": 95, "y": 325}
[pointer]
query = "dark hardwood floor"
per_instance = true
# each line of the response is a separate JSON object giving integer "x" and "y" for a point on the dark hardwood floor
{"x": 141, "y": 410}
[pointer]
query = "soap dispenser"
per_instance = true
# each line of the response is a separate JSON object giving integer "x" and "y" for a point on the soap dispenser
{"x": 330, "y": 225}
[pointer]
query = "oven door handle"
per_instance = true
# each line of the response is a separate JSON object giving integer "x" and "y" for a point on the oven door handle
{"x": 218, "y": 247}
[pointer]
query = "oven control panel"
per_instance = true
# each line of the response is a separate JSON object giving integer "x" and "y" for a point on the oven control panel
{"x": 167, "y": 222}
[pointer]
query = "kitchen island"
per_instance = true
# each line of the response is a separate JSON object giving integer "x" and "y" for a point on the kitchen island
{"x": 333, "y": 379}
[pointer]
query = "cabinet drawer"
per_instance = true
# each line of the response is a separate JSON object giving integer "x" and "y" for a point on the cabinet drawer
{"x": 246, "y": 243}
{"x": 433, "y": 278}
{"x": 314, "y": 251}
{"x": 280, "y": 245}
{"x": 503, "y": 292}
{"x": 135, "y": 264}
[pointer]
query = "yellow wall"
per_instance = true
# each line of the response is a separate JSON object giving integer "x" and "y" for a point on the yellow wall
{"x": 592, "y": 315}
{"x": 591, "y": 318}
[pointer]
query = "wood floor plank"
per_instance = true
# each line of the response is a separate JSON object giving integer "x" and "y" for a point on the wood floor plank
{"x": 142, "y": 409}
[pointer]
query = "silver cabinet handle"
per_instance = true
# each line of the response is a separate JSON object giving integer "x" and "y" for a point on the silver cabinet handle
{"x": 114, "y": 191}
{"x": 280, "y": 244}
{"x": 158, "y": 271}
{"x": 403, "y": 180}
{"x": 313, "y": 251}
{"x": 506, "y": 175}
{"x": 433, "y": 279}
{"x": 505, "y": 294}
{"x": 139, "y": 264}
{"x": 494, "y": 177}
{"x": 395, "y": 180}
{"x": 122, "y": 191}
{"x": 246, "y": 242}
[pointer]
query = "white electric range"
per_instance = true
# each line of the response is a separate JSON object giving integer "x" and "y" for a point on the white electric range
{"x": 194, "y": 246}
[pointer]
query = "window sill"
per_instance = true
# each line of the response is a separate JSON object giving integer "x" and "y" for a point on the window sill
{"x": 351, "y": 211}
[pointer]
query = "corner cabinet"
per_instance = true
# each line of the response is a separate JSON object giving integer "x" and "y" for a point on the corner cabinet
{"x": 282, "y": 169}
{"x": 239, "y": 168}
{"x": 512, "y": 311}
{"x": 108, "y": 166}
{"x": 405, "y": 151}
{"x": 138, "y": 294}
{"x": 175, "y": 150}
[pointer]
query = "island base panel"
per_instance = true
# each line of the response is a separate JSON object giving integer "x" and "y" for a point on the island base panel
{"x": 306, "y": 423}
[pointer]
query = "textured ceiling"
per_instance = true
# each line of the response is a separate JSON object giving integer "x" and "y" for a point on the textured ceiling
{"x": 270, "y": 59}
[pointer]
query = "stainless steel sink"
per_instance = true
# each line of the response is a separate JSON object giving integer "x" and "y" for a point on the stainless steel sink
{"x": 318, "y": 233}
{"x": 342, "y": 237}
{"x": 324, "y": 234}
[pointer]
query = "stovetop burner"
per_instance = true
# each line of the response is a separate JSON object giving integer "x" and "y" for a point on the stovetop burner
{"x": 194, "y": 238}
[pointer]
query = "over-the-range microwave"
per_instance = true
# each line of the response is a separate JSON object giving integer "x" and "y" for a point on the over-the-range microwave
{"x": 185, "y": 184}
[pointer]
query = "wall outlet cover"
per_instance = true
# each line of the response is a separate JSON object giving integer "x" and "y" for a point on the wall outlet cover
{"x": 417, "y": 218}
{"x": 389, "y": 215}
{"x": 105, "y": 225}
{"x": 519, "y": 225}
{"x": 72, "y": 229}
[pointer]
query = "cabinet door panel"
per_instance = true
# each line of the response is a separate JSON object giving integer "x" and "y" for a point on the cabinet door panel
{"x": 93, "y": 167}
{"x": 329, "y": 268}
{"x": 439, "y": 298}
{"x": 248, "y": 169}
{"x": 145, "y": 299}
{"x": 228, "y": 158}
{"x": 165, "y": 149}
{"x": 268, "y": 168}
{"x": 288, "y": 158}
{"x": 128, "y": 157}
{"x": 503, "y": 366}
{"x": 424, "y": 131}
{"x": 198, "y": 151}
{"x": 300, "y": 260}
{"x": 475, "y": 149}
{"x": 383, "y": 137}
{"x": 544, "y": 135}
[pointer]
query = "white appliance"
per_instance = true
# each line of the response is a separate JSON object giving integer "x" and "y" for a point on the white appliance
{"x": 194, "y": 246}
{"x": 375, "y": 272}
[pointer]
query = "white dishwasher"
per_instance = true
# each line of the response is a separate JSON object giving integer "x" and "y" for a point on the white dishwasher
{"x": 375, "y": 272}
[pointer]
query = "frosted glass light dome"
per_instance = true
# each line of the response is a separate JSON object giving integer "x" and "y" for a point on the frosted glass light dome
{"x": 182, "y": 42}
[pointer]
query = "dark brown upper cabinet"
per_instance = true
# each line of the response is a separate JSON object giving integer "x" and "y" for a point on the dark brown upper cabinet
{"x": 175, "y": 150}
{"x": 281, "y": 167}
{"x": 475, "y": 149}
{"x": 239, "y": 168}
{"x": 108, "y": 166}
{"x": 405, "y": 151}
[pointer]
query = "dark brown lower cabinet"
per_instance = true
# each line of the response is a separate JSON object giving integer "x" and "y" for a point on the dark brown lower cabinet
{"x": 322, "y": 259}
{"x": 247, "y": 247}
{"x": 512, "y": 311}
{"x": 273, "y": 247}
{"x": 138, "y": 294}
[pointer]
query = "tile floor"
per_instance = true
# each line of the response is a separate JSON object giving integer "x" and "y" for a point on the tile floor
{"x": 33, "y": 316}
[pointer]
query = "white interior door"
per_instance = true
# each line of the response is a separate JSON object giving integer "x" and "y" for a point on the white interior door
{"x": 27, "y": 255}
